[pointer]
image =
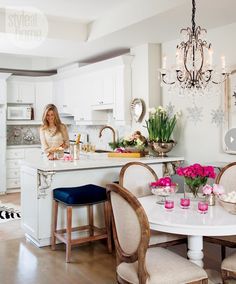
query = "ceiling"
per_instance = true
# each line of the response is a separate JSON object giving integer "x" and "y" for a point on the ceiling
{"x": 85, "y": 30}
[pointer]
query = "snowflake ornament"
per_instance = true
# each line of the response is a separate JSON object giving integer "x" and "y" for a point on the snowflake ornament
{"x": 170, "y": 109}
{"x": 195, "y": 114}
{"x": 217, "y": 116}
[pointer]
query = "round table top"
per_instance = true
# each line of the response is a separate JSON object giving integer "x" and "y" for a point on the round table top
{"x": 216, "y": 222}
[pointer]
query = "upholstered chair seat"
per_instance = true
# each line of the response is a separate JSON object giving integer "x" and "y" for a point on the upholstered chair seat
{"x": 164, "y": 267}
{"x": 70, "y": 197}
{"x": 228, "y": 268}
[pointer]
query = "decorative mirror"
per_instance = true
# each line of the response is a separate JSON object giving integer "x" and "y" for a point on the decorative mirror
{"x": 229, "y": 126}
{"x": 137, "y": 109}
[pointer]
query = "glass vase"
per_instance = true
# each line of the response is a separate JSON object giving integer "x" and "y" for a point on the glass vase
{"x": 194, "y": 193}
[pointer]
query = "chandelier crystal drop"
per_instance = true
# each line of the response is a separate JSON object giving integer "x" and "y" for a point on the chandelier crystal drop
{"x": 193, "y": 71}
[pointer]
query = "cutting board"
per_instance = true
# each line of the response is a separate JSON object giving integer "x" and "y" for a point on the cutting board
{"x": 126, "y": 155}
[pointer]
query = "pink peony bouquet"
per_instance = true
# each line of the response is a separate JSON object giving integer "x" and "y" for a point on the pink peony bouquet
{"x": 196, "y": 176}
{"x": 216, "y": 189}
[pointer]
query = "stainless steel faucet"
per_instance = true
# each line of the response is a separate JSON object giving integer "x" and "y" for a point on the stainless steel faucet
{"x": 113, "y": 133}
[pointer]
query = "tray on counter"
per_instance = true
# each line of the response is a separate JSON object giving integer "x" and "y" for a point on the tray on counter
{"x": 126, "y": 155}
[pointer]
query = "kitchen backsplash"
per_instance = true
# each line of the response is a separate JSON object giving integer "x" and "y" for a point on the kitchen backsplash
{"x": 90, "y": 134}
{"x": 23, "y": 135}
{"x": 29, "y": 134}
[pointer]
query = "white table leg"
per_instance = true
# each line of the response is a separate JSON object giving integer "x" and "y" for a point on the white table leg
{"x": 195, "y": 246}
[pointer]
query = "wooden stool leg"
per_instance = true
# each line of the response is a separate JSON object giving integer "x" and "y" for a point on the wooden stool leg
{"x": 68, "y": 232}
{"x": 54, "y": 224}
{"x": 107, "y": 216}
{"x": 91, "y": 224}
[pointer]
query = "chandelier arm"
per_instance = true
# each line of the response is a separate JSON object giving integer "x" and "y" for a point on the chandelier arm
{"x": 199, "y": 72}
{"x": 164, "y": 81}
{"x": 225, "y": 76}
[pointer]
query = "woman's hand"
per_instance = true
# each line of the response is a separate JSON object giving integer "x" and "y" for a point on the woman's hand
{"x": 50, "y": 156}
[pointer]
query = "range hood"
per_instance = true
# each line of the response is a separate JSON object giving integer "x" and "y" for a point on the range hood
{"x": 66, "y": 114}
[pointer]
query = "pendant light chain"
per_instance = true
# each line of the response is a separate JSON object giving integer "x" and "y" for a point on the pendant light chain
{"x": 193, "y": 15}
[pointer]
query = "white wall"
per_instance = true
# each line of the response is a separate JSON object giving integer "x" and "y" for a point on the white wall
{"x": 202, "y": 141}
{"x": 145, "y": 81}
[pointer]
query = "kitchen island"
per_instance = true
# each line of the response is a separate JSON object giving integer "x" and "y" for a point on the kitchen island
{"x": 40, "y": 176}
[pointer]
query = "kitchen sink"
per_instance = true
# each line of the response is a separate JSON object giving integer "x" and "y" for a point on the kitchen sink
{"x": 102, "y": 151}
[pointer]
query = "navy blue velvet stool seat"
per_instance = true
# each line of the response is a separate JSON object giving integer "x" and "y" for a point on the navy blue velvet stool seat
{"x": 86, "y": 195}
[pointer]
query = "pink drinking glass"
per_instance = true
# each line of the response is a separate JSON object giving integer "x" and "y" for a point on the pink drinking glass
{"x": 169, "y": 205}
{"x": 202, "y": 207}
{"x": 185, "y": 203}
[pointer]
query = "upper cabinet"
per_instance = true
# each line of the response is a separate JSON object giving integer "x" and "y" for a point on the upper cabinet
{"x": 103, "y": 84}
{"x": 43, "y": 96}
{"x": 84, "y": 100}
{"x": 20, "y": 91}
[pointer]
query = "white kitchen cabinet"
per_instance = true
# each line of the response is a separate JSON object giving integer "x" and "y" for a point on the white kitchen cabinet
{"x": 43, "y": 96}
{"x": 3, "y": 96}
{"x": 14, "y": 158}
{"x": 20, "y": 91}
{"x": 63, "y": 92}
{"x": 121, "y": 111}
{"x": 84, "y": 114}
{"x": 103, "y": 84}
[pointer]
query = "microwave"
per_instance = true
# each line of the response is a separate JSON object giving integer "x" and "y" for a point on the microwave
{"x": 19, "y": 112}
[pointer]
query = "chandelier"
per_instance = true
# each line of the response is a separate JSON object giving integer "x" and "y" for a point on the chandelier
{"x": 193, "y": 70}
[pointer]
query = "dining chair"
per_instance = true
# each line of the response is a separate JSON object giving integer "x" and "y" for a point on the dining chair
{"x": 226, "y": 178}
{"x": 136, "y": 261}
{"x": 228, "y": 268}
{"x": 136, "y": 177}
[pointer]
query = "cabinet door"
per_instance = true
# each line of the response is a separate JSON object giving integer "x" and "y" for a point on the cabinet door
{"x": 102, "y": 83}
{"x": 108, "y": 86}
{"x": 26, "y": 91}
{"x": 121, "y": 112}
{"x": 95, "y": 85}
{"x": 58, "y": 95}
{"x": 43, "y": 91}
{"x": 20, "y": 92}
{"x": 12, "y": 92}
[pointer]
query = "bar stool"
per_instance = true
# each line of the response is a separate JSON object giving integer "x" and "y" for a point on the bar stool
{"x": 70, "y": 197}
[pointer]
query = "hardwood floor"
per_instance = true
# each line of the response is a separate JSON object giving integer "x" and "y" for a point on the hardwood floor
{"x": 23, "y": 263}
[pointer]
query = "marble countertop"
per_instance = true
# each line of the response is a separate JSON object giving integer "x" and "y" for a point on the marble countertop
{"x": 23, "y": 146}
{"x": 90, "y": 161}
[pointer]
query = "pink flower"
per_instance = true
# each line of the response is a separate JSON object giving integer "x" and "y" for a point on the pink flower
{"x": 165, "y": 181}
{"x": 207, "y": 189}
{"x": 218, "y": 189}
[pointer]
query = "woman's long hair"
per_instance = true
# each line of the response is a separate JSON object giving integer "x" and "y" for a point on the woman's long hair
{"x": 57, "y": 120}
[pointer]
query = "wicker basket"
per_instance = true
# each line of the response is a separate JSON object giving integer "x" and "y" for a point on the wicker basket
{"x": 229, "y": 206}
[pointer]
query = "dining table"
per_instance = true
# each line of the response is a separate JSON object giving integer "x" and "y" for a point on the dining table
{"x": 190, "y": 222}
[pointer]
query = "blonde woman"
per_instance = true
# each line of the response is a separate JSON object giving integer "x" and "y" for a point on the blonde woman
{"x": 53, "y": 133}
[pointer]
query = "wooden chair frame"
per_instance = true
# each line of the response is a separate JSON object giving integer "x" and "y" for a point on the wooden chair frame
{"x": 215, "y": 240}
{"x": 126, "y": 166}
{"x": 155, "y": 177}
{"x": 140, "y": 253}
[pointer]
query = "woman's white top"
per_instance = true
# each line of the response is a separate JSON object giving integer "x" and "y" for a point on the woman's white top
{"x": 49, "y": 139}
